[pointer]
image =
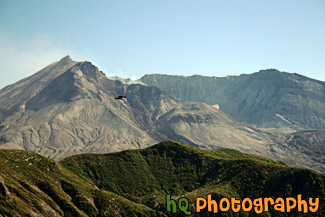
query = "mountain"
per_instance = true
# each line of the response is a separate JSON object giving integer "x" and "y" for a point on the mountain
{"x": 70, "y": 107}
{"x": 265, "y": 99}
{"x": 135, "y": 182}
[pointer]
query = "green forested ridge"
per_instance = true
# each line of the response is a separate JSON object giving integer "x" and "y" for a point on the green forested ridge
{"x": 135, "y": 182}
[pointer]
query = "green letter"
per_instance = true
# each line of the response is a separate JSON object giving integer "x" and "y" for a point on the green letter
{"x": 169, "y": 203}
{"x": 184, "y": 208}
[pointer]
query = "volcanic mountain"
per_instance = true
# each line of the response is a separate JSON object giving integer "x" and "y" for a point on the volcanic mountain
{"x": 70, "y": 107}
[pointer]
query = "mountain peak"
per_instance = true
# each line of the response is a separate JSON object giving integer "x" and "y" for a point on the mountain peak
{"x": 274, "y": 71}
{"x": 66, "y": 60}
{"x": 272, "y": 74}
{"x": 90, "y": 70}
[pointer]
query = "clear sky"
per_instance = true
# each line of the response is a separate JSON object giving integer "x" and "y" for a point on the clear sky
{"x": 185, "y": 37}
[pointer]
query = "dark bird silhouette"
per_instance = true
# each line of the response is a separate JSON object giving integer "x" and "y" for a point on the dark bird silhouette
{"x": 120, "y": 97}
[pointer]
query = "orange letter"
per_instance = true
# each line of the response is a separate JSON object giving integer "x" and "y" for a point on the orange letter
{"x": 233, "y": 202}
{"x": 258, "y": 203}
{"x": 279, "y": 206}
{"x": 266, "y": 201}
{"x": 223, "y": 209}
{"x": 302, "y": 203}
{"x": 313, "y": 204}
{"x": 210, "y": 203}
{"x": 198, "y": 206}
{"x": 290, "y": 207}
{"x": 245, "y": 209}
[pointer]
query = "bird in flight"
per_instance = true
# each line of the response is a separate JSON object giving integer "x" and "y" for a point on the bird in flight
{"x": 120, "y": 97}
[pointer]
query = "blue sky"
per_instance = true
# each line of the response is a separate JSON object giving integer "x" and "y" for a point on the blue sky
{"x": 184, "y": 37}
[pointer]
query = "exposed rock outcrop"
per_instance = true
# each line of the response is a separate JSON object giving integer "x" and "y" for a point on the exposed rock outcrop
{"x": 4, "y": 190}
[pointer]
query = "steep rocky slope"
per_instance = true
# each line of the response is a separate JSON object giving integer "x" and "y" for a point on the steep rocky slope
{"x": 266, "y": 99}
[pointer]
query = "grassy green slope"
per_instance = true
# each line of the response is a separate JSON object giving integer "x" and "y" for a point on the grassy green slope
{"x": 32, "y": 185}
{"x": 135, "y": 182}
{"x": 147, "y": 175}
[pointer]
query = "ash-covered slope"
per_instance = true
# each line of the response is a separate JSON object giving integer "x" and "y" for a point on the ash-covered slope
{"x": 205, "y": 126}
{"x": 266, "y": 99}
{"x": 307, "y": 147}
{"x": 69, "y": 108}
{"x": 12, "y": 96}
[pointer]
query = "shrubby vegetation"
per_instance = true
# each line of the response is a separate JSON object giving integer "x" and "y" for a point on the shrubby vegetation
{"x": 135, "y": 182}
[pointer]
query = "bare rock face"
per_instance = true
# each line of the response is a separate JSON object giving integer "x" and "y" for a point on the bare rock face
{"x": 4, "y": 190}
{"x": 266, "y": 99}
